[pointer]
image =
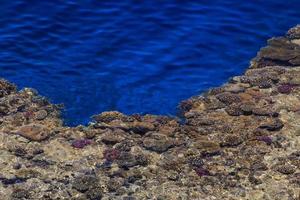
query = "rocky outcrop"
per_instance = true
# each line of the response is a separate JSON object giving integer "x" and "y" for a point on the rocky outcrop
{"x": 238, "y": 141}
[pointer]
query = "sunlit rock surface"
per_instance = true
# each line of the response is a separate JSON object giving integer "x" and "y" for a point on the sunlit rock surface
{"x": 238, "y": 141}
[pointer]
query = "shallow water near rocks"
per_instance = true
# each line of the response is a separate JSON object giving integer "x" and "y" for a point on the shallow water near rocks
{"x": 132, "y": 56}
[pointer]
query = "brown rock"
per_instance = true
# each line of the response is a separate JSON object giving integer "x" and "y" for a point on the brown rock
{"x": 265, "y": 111}
{"x": 272, "y": 125}
{"x": 113, "y": 137}
{"x": 115, "y": 183}
{"x": 107, "y": 117}
{"x": 141, "y": 127}
{"x": 228, "y": 98}
{"x": 234, "y": 110}
{"x": 4, "y": 109}
{"x": 294, "y": 33}
{"x": 254, "y": 180}
{"x": 34, "y": 132}
{"x": 158, "y": 142}
{"x": 234, "y": 88}
{"x": 285, "y": 169}
{"x": 40, "y": 115}
{"x": 231, "y": 141}
{"x": 206, "y": 146}
{"x": 6, "y": 87}
{"x": 247, "y": 108}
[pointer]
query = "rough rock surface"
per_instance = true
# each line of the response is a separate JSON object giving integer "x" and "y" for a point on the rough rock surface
{"x": 238, "y": 141}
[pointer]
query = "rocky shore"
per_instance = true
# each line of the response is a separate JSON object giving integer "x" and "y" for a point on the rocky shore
{"x": 238, "y": 141}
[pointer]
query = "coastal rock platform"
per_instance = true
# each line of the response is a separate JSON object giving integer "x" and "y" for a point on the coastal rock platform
{"x": 238, "y": 141}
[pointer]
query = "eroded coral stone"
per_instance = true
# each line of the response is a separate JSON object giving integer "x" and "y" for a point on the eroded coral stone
{"x": 81, "y": 143}
{"x": 285, "y": 88}
{"x": 34, "y": 132}
{"x": 228, "y": 98}
{"x": 285, "y": 169}
{"x": 85, "y": 182}
{"x": 40, "y": 115}
{"x": 158, "y": 142}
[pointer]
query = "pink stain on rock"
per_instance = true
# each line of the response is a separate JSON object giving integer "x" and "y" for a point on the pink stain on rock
{"x": 201, "y": 171}
{"x": 267, "y": 139}
{"x": 111, "y": 154}
{"x": 286, "y": 88}
{"x": 81, "y": 143}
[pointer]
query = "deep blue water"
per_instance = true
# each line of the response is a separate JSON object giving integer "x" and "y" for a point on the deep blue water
{"x": 133, "y": 56}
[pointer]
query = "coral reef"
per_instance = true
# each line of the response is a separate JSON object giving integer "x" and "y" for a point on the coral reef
{"x": 238, "y": 141}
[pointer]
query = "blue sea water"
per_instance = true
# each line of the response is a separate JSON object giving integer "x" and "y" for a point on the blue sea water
{"x": 133, "y": 56}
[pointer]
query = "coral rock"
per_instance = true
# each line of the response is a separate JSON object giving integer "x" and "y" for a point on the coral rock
{"x": 141, "y": 127}
{"x": 85, "y": 182}
{"x": 228, "y": 98}
{"x": 234, "y": 110}
{"x": 232, "y": 141}
{"x": 40, "y": 115}
{"x": 34, "y": 132}
{"x": 81, "y": 143}
{"x": 107, "y": 117}
{"x": 158, "y": 142}
{"x": 207, "y": 147}
{"x": 286, "y": 169}
{"x": 273, "y": 125}
{"x": 127, "y": 160}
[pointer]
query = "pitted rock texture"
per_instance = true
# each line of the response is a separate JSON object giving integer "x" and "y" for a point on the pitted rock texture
{"x": 238, "y": 141}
